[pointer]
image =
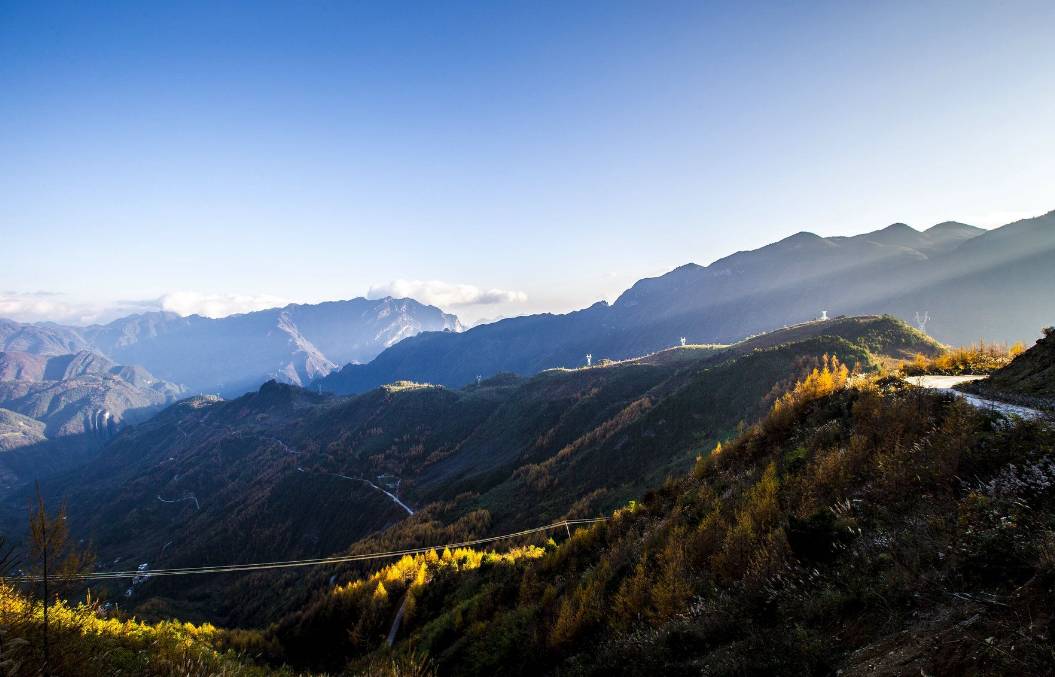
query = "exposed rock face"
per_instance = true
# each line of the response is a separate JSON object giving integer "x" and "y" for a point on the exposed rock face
{"x": 81, "y": 393}
{"x": 54, "y": 409}
{"x": 231, "y": 355}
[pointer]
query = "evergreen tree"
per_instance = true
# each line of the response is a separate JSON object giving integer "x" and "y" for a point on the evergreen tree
{"x": 53, "y": 561}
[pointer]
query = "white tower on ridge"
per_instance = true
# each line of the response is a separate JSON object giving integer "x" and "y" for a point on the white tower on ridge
{"x": 589, "y": 359}
{"x": 682, "y": 340}
{"x": 824, "y": 315}
{"x": 921, "y": 320}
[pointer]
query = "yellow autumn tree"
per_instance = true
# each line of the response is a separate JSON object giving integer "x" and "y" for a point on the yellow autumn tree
{"x": 830, "y": 376}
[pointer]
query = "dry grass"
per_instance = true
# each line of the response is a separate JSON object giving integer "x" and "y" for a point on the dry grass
{"x": 977, "y": 358}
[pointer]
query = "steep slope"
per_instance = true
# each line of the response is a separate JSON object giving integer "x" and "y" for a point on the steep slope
{"x": 309, "y": 470}
{"x": 233, "y": 354}
{"x": 1029, "y": 378}
{"x": 994, "y": 285}
{"x": 837, "y": 536}
{"x": 77, "y": 402}
{"x": 895, "y": 270}
{"x": 521, "y": 345}
{"x": 16, "y": 366}
{"x": 357, "y": 330}
{"x": 969, "y": 282}
{"x": 79, "y": 393}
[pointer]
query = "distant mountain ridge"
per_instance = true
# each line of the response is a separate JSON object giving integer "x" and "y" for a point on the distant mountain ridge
{"x": 54, "y": 409}
{"x": 294, "y": 344}
{"x": 968, "y": 281}
{"x": 78, "y": 393}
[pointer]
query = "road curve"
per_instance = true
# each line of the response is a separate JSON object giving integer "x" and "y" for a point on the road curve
{"x": 395, "y": 499}
{"x": 945, "y": 384}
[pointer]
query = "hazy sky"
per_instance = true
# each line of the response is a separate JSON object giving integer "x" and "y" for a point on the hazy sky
{"x": 496, "y": 158}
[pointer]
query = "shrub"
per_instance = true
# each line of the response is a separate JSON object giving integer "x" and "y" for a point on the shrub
{"x": 978, "y": 358}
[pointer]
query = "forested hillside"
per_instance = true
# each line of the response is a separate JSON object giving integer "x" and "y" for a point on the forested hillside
{"x": 841, "y": 533}
{"x": 288, "y": 471}
{"x": 863, "y": 526}
{"x": 527, "y": 339}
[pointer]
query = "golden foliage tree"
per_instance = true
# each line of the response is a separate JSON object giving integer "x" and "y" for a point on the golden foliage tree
{"x": 53, "y": 561}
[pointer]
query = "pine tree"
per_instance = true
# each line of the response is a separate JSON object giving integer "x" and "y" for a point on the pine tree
{"x": 52, "y": 559}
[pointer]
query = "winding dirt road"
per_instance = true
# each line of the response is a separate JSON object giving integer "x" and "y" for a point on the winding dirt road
{"x": 945, "y": 384}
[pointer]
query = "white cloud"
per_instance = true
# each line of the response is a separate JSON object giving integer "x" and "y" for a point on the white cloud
{"x": 33, "y": 306}
{"x": 444, "y": 294}
{"x": 45, "y": 306}
{"x": 217, "y": 305}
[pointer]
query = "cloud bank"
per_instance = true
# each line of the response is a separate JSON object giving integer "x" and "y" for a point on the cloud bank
{"x": 46, "y": 306}
{"x": 444, "y": 294}
{"x": 33, "y": 306}
{"x": 217, "y": 305}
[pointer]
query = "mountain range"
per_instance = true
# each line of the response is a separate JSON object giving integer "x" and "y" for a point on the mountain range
{"x": 55, "y": 408}
{"x": 965, "y": 282}
{"x": 959, "y": 281}
{"x": 862, "y": 527}
{"x": 451, "y": 435}
{"x": 289, "y": 470}
{"x": 231, "y": 355}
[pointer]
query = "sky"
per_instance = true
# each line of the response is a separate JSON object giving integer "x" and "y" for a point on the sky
{"x": 494, "y": 158}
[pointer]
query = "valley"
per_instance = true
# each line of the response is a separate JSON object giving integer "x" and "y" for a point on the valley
{"x": 846, "y": 480}
{"x": 265, "y": 511}
{"x": 293, "y": 471}
{"x": 588, "y": 339}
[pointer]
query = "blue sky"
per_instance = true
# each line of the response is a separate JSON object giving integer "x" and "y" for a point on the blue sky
{"x": 497, "y": 158}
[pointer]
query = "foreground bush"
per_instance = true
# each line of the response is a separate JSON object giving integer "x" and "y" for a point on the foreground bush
{"x": 978, "y": 358}
{"x": 82, "y": 642}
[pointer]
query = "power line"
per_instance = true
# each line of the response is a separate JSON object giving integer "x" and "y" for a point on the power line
{"x": 288, "y": 564}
